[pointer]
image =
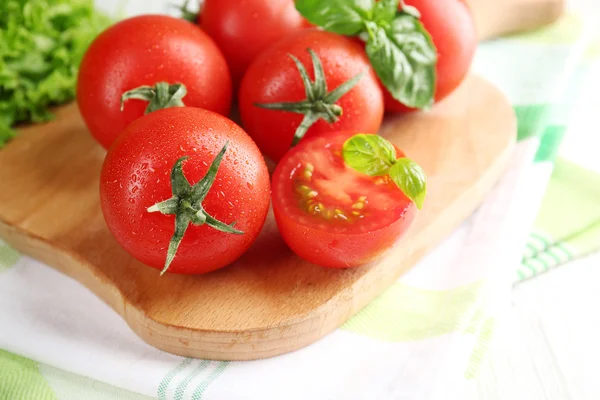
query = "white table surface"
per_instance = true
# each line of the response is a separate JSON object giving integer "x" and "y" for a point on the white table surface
{"x": 547, "y": 347}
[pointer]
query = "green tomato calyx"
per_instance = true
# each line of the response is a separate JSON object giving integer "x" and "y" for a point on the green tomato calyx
{"x": 319, "y": 102}
{"x": 186, "y": 204}
{"x": 161, "y": 95}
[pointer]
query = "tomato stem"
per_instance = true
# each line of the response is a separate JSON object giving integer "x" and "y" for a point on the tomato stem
{"x": 186, "y": 13}
{"x": 186, "y": 204}
{"x": 161, "y": 95}
{"x": 319, "y": 102}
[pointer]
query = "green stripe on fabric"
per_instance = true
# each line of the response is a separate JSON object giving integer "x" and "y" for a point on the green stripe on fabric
{"x": 406, "y": 313}
{"x": 8, "y": 257}
{"x": 542, "y": 237}
{"x": 164, "y": 384}
{"x": 570, "y": 206}
{"x": 535, "y": 266}
{"x": 68, "y": 386}
{"x": 20, "y": 379}
{"x": 550, "y": 143}
{"x": 199, "y": 392}
{"x": 481, "y": 348}
{"x": 549, "y": 260}
{"x": 530, "y": 119}
{"x": 592, "y": 51}
{"x": 553, "y": 256}
{"x": 184, "y": 383}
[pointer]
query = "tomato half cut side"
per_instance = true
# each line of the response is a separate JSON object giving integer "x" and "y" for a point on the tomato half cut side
{"x": 332, "y": 215}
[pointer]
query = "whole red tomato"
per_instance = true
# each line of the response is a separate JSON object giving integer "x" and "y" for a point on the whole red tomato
{"x": 143, "y": 51}
{"x": 145, "y": 170}
{"x": 452, "y": 29}
{"x": 274, "y": 78}
{"x": 244, "y": 28}
{"x": 332, "y": 215}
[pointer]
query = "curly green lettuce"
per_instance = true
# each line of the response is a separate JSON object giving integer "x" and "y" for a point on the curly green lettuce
{"x": 41, "y": 45}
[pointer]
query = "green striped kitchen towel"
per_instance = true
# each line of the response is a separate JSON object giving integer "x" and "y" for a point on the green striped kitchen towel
{"x": 568, "y": 223}
{"x": 424, "y": 338}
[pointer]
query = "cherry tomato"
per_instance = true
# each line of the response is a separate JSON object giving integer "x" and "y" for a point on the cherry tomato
{"x": 452, "y": 29}
{"x": 137, "y": 175}
{"x": 274, "y": 77}
{"x": 244, "y": 28}
{"x": 330, "y": 214}
{"x": 146, "y": 50}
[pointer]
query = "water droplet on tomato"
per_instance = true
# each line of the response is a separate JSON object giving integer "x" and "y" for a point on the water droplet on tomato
{"x": 131, "y": 200}
{"x": 250, "y": 185}
{"x": 134, "y": 178}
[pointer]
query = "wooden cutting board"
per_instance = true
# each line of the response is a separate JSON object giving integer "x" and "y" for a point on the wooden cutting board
{"x": 499, "y": 17}
{"x": 269, "y": 302}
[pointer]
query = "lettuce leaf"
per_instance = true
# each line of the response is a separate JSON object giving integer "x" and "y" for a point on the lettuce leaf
{"x": 41, "y": 45}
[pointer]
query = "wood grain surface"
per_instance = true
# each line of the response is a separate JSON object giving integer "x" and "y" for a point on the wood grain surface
{"x": 499, "y": 17}
{"x": 269, "y": 302}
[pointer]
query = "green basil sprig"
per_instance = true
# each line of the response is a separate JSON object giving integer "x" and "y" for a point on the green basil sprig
{"x": 400, "y": 49}
{"x": 374, "y": 156}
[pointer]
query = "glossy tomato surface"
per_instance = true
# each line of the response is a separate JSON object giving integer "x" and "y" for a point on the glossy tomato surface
{"x": 136, "y": 175}
{"x": 273, "y": 77}
{"x": 452, "y": 30}
{"x": 332, "y": 215}
{"x": 146, "y": 50}
{"x": 244, "y": 28}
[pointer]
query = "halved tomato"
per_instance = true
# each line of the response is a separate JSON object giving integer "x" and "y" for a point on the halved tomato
{"x": 332, "y": 215}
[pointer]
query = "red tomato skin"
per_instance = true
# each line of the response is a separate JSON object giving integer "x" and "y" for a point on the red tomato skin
{"x": 453, "y": 32}
{"x": 273, "y": 77}
{"x": 333, "y": 249}
{"x": 145, "y": 50}
{"x": 244, "y": 28}
{"x": 136, "y": 175}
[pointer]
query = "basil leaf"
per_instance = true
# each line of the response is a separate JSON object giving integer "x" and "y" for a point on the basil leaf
{"x": 384, "y": 11}
{"x": 345, "y": 17}
{"x": 369, "y": 154}
{"x": 410, "y": 178}
{"x": 404, "y": 58}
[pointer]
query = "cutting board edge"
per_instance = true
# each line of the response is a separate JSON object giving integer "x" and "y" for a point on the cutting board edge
{"x": 160, "y": 334}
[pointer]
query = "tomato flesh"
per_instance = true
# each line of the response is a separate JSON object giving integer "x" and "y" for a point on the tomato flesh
{"x": 332, "y": 215}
